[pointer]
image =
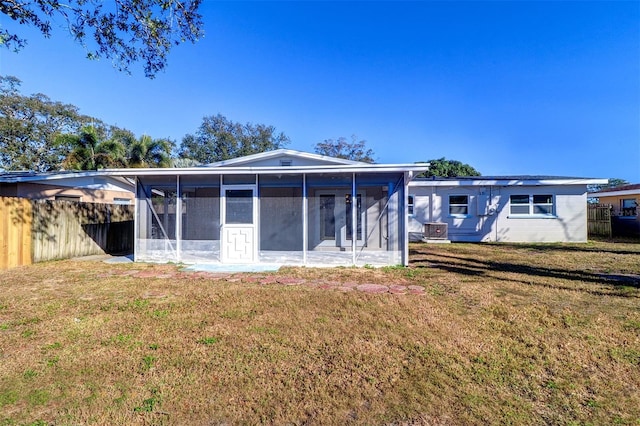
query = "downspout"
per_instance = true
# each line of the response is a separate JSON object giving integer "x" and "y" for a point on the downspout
{"x": 497, "y": 213}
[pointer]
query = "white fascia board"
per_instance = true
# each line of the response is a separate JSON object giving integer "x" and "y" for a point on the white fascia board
{"x": 356, "y": 168}
{"x": 508, "y": 182}
{"x": 615, "y": 193}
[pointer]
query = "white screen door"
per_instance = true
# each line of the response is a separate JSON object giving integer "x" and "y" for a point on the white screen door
{"x": 239, "y": 242}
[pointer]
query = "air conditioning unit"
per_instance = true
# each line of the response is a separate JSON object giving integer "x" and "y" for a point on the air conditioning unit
{"x": 435, "y": 231}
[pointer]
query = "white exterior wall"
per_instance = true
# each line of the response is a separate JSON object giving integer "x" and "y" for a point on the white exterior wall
{"x": 489, "y": 217}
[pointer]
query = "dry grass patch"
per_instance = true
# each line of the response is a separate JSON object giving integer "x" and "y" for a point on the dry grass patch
{"x": 522, "y": 334}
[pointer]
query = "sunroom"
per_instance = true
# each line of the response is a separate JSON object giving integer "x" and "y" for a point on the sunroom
{"x": 281, "y": 207}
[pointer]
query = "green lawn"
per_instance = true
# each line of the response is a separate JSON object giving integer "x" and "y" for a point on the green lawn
{"x": 520, "y": 334}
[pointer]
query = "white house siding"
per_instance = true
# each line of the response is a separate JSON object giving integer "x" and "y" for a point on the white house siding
{"x": 489, "y": 217}
{"x": 568, "y": 225}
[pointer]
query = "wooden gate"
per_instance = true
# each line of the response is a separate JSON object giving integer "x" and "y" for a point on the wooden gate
{"x": 15, "y": 232}
{"x": 599, "y": 220}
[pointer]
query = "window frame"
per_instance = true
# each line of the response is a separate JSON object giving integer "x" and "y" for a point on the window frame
{"x": 121, "y": 201}
{"x": 466, "y": 205}
{"x": 71, "y": 198}
{"x": 633, "y": 210}
{"x": 535, "y": 209}
{"x": 411, "y": 205}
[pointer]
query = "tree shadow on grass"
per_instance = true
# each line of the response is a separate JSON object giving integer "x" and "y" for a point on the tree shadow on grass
{"x": 618, "y": 283}
{"x": 578, "y": 247}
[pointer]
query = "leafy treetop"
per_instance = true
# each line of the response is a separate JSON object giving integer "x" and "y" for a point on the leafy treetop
{"x": 29, "y": 126}
{"x": 613, "y": 183}
{"x": 125, "y": 31}
{"x": 219, "y": 138}
{"x": 442, "y": 167}
{"x": 342, "y": 148}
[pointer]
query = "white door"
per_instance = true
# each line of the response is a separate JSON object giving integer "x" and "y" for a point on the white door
{"x": 239, "y": 240}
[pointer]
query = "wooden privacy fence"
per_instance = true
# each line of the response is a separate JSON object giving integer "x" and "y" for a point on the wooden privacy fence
{"x": 599, "y": 220}
{"x": 39, "y": 230}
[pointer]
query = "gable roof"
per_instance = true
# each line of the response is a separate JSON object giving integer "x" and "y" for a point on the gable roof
{"x": 285, "y": 153}
{"x": 262, "y": 163}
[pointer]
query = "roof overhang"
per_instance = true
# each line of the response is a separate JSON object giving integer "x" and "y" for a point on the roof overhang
{"x": 46, "y": 178}
{"x": 508, "y": 182}
{"x": 615, "y": 193}
{"x": 410, "y": 169}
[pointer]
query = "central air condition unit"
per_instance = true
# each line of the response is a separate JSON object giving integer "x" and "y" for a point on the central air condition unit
{"x": 435, "y": 231}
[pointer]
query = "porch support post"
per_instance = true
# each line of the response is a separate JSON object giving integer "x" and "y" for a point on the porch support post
{"x": 404, "y": 233}
{"x": 354, "y": 218}
{"x": 136, "y": 220}
{"x": 305, "y": 219}
{"x": 178, "y": 220}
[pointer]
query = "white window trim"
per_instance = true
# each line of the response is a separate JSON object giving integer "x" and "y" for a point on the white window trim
{"x": 531, "y": 208}
{"x": 411, "y": 205}
{"x": 459, "y": 215}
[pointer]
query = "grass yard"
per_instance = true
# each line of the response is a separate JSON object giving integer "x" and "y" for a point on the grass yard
{"x": 502, "y": 334}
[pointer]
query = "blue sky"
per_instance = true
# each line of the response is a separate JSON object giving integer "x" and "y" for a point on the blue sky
{"x": 549, "y": 88}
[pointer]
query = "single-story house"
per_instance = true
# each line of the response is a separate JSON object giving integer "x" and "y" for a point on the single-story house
{"x": 281, "y": 206}
{"x": 624, "y": 202}
{"x": 500, "y": 208}
{"x": 88, "y": 187}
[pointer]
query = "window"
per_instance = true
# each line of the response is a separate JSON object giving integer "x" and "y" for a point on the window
{"x": 628, "y": 207}
{"x": 543, "y": 204}
{"x": 285, "y": 163}
{"x": 75, "y": 198}
{"x": 458, "y": 205}
{"x": 122, "y": 201}
{"x": 531, "y": 205}
{"x": 239, "y": 206}
{"x": 410, "y": 205}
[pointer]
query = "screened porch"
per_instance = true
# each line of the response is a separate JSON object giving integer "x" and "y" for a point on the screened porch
{"x": 323, "y": 218}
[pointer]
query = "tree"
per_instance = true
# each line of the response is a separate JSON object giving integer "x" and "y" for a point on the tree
{"x": 613, "y": 183}
{"x": 449, "y": 168}
{"x": 29, "y": 126}
{"x": 219, "y": 139}
{"x": 88, "y": 152}
{"x": 124, "y": 31}
{"x": 148, "y": 152}
{"x": 341, "y": 148}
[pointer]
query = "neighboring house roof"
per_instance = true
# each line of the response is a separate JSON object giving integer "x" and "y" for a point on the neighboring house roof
{"x": 63, "y": 178}
{"x": 248, "y": 159}
{"x": 519, "y": 180}
{"x": 632, "y": 189}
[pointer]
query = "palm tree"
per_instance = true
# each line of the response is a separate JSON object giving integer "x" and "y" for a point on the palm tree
{"x": 148, "y": 152}
{"x": 87, "y": 152}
